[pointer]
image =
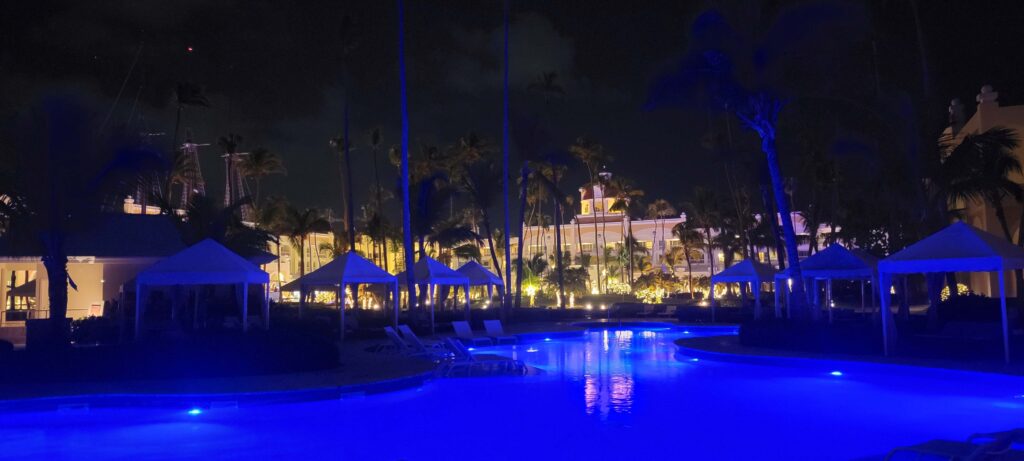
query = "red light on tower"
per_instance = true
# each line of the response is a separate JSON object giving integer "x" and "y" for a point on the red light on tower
{"x": 189, "y": 49}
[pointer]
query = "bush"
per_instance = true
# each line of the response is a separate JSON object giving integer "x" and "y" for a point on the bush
{"x": 970, "y": 308}
{"x": 94, "y": 330}
{"x": 840, "y": 337}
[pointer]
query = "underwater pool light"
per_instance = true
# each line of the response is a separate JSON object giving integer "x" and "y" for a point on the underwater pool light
{"x": 836, "y": 373}
{"x": 686, "y": 332}
{"x": 547, "y": 339}
{"x": 532, "y": 349}
{"x": 695, "y": 359}
{"x": 471, "y": 349}
{"x": 195, "y": 411}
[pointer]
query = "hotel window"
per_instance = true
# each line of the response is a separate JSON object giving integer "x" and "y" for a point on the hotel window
{"x": 536, "y": 249}
{"x": 647, "y": 244}
{"x": 586, "y": 207}
{"x": 588, "y": 248}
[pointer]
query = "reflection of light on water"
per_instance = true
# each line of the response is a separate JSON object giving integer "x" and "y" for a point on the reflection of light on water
{"x": 648, "y": 334}
{"x": 532, "y": 349}
{"x": 622, "y": 393}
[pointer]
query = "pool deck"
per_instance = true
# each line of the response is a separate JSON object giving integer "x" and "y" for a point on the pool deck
{"x": 729, "y": 348}
{"x": 359, "y": 372}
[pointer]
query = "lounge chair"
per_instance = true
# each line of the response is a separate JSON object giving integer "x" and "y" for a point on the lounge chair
{"x": 465, "y": 363}
{"x": 497, "y": 333}
{"x": 993, "y": 446}
{"x": 670, "y": 311}
{"x": 414, "y": 341}
{"x": 400, "y": 345}
{"x": 465, "y": 333}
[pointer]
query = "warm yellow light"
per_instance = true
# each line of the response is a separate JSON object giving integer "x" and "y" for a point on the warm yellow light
{"x": 961, "y": 290}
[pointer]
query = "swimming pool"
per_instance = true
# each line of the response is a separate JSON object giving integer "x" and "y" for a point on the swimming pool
{"x": 609, "y": 394}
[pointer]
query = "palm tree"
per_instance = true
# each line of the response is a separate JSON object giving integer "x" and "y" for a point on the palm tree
{"x": 546, "y": 84}
{"x": 480, "y": 181}
{"x": 297, "y": 225}
{"x": 659, "y": 210}
{"x": 688, "y": 239}
{"x": 64, "y": 178}
{"x": 704, "y": 208}
{"x": 342, "y": 145}
{"x": 505, "y": 173}
{"x": 627, "y": 202}
{"x": 979, "y": 168}
{"x": 553, "y": 165}
{"x": 406, "y": 214}
{"x": 593, "y": 157}
{"x": 258, "y": 164}
{"x": 186, "y": 95}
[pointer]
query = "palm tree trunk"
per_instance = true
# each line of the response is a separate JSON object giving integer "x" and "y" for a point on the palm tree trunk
{"x": 558, "y": 253}
{"x": 406, "y": 214}
{"x": 524, "y": 176}
{"x": 505, "y": 173}
{"x": 302, "y": 273}
{"x": 350, "y": 229}
{"x": 56, "y": 264}
{"x": 768, "y": 146}
{"x": 490, "y": 242}
{"x": 689, "y": 270}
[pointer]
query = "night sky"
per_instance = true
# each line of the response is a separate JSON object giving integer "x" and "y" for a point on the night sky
{"x": 279, "y": 73}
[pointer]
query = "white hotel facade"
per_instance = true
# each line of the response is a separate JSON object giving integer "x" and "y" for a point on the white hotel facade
{"x": 596, "y": 226}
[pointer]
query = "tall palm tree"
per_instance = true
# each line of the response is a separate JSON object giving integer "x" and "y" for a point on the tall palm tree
{"x": 659, "y": 210}
{"x": 689, "y": 238}
{"x": 593, "y": 157}
{"x": 186, "y": 95}
{"x": 480, "y": 181}
{"x": 705, "y": 211}
{"x": 553, "y": 166}
{"x": 297, "y": 225}
{"x": 64, "y": 178}
{"x": 342, "y": 145}
{"x": 505, "y": 173}
{"x": 546, "y": 84}
{"x": 257, "y": 165}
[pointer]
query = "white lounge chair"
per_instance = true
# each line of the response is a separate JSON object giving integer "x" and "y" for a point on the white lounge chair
{"x": 400, "y": 345}
{"x": 465, "y": 333}
{"x": 414, "y": 341}
{"x": 497, "y": 332}
{"x": 465, "y": 363}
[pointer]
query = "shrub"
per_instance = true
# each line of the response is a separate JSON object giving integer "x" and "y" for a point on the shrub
{"x": 970, "y": 308}
{"x": 94, "y": 330}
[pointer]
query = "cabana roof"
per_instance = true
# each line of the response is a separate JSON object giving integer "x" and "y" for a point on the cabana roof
{"x": 430, "y": 271}
{"x": 349, "y": 267}
{"x": 478, "y": 274}
{"x": 837, "y": 262}
{"x": 205, "y": 263}
{"x": 957, "y": 248}
{"x": 745, "y": 271}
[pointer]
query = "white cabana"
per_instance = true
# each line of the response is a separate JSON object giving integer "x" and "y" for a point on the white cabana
{"x": 478, "y": 275}
{"x": 430, "y": 272}
{"x": 838, "y": 263}
{"x": 957, "y": 248}
{"x": 746, "y": 271}
{"x": 205, "y": 263}
{"x": 350, "y": 269}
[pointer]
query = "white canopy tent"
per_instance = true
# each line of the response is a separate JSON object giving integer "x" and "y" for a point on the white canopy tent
{"x": 205, "y": 263}
{"x": 431, "y": 273}
{"x": 350, "y": 269}
{"x": 957, "y": 248}
{"x": 478, "y": 275}
{"x": 838, "y": 263}
{"x": 746, "y": 271}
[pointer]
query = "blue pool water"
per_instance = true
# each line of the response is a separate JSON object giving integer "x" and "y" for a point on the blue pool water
{"x": 621, "y": 395}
